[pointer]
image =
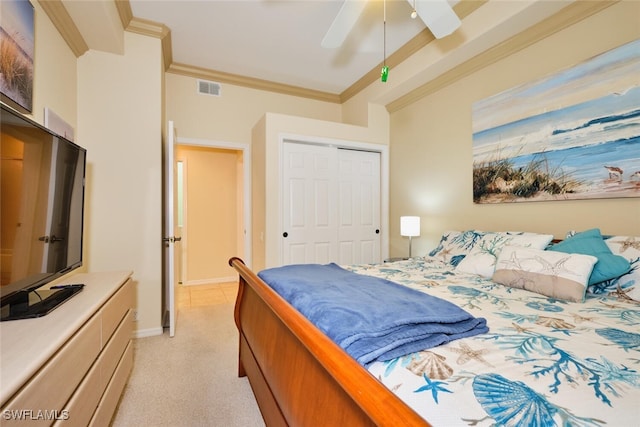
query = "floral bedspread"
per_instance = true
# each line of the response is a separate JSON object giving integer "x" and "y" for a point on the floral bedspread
{"x": 544, "y": 362}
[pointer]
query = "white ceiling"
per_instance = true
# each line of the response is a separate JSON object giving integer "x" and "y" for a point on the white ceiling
{"x": 280, "y": 40}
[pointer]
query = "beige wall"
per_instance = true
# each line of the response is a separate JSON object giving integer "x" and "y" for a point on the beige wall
{"x": 431, "y": 145}
{"x": 113, "y": 102}
{"x": 258, "y": 192}
{"x": 231, "y": 116}
{"x": 213, "y": 221}
{"x": 55, "y": 77}
{"x": 119, "y": 116}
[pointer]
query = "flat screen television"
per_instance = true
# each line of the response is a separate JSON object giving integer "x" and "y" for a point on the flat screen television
{"x": 42, "y": 209}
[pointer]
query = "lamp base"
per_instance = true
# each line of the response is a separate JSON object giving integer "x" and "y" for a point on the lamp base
{"x": 409, "y": 246}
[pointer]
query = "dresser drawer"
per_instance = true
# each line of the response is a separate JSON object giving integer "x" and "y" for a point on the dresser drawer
{"x": 114, "y": 349}
{"x": 115, "y": 309}
{"x": 111, "y": 397}
{"x": 84, "y": 402}
{"x": 46, "y": 393}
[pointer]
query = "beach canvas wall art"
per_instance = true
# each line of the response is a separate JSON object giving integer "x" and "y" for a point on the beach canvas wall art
{"x": 571, "y": 135}
{"x": 16, "y": 53}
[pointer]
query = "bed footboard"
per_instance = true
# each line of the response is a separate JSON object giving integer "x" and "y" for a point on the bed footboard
{"x": 298, "y": 375}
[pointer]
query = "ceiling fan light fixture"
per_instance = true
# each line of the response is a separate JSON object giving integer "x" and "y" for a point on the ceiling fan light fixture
{"x": 438, "y": 16}
{"x": 343, "y": 23}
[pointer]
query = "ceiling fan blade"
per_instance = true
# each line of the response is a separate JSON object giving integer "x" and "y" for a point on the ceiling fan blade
{"x": 343, "y": 23}
{"x": 438, "y": 16}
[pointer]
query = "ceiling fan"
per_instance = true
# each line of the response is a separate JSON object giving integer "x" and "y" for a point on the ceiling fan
{"x": 437, "y": 15}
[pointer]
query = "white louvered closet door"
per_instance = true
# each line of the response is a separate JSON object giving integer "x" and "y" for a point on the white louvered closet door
{"x": 331, "y": 205}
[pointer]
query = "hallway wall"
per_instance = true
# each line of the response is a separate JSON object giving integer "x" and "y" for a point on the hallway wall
{"x": 213, "y": 212}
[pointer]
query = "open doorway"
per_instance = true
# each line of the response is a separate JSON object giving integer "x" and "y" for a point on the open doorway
{"x": 213, "y": 205}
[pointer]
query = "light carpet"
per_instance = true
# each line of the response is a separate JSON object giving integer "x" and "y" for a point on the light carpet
{"x": 190, "y": 379}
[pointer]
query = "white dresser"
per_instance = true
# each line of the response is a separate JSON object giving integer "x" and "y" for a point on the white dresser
{"x": 69, "y": 368}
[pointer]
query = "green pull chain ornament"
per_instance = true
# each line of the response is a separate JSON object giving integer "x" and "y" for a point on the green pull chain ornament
{"x": 384, "y": 73}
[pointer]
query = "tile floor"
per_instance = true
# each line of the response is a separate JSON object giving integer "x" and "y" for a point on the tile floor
{"x": 212, "y": 294}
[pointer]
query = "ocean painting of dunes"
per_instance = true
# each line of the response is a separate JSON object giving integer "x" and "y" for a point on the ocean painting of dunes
{"x": 572, "y": 135}
{"x": 16, "y": 52}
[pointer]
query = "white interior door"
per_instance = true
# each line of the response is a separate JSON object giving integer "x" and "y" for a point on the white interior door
{"x": 310, "y": 207}
{"x": 332, "y": 208}
{"x": 171, "y": 232}
{"x": 358, "y": 207}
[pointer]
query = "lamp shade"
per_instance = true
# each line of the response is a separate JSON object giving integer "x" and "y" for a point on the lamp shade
{"x": 410, "y": 226}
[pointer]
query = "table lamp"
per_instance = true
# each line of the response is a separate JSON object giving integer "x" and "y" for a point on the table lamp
{"x": 410, "y": 226}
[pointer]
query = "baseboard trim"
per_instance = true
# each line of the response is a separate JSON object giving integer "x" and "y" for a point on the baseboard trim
{"x": 210, "y": 281}
{"x": 151, "y": 332}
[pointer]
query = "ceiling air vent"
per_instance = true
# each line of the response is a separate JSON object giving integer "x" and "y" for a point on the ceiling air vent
{"x": 206, "y": 87}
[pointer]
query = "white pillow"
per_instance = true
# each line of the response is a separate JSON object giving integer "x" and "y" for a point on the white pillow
{"x": 554, "y": 274}
{"x": 482, "y": 259}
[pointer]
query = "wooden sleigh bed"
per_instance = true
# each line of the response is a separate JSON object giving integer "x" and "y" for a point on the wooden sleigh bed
{"x": 300, "y": 377}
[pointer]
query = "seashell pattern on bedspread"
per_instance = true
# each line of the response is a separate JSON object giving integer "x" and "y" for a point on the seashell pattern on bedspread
{"x": 544, "y": 362}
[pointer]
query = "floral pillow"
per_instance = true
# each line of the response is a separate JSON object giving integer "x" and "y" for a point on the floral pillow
{"x": 455, "y": 245}
{"x": 626, "y": 286}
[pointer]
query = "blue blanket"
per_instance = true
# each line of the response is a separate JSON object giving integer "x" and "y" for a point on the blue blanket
{"x": 369, "y": 317}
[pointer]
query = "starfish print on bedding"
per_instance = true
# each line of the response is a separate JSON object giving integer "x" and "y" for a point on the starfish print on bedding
{"x": 579, "y": 318}
{"x": 434, "y": 386}
{"x": 444, "y": 253}
{"x": 467, "y": 353}
{"x": 609, "y": 305}
{"x": 630, "y": 242}
{"x": 553, "y": 322}
{"x": 621, "y": 294}
{"x": 519, "y": 328}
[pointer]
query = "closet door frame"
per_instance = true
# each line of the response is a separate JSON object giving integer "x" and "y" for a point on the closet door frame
{"x": 339, "y": 143}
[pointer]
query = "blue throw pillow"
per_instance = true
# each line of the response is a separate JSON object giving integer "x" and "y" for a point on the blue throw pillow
{"x": 590, "y": 242}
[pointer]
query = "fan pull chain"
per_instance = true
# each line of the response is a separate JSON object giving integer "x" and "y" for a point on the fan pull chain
{"x": 384, "y": 73}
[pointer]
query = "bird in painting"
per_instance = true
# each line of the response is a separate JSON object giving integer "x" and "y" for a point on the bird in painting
{"x": 614, "y": 172}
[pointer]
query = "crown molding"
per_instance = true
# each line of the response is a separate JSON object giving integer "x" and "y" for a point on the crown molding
{"x": 568, "y": 16}
{"x": 124, "y": 11}
{"x": 149, "y": 28}
{"x": 463, "y": 9}
{"x": 250, "y": 82}
{"x": 61, "y": 19}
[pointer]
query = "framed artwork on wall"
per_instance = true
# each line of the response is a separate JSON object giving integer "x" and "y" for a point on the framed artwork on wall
{"x": 571, "y": 135}
{"x": 17, "y": 43}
